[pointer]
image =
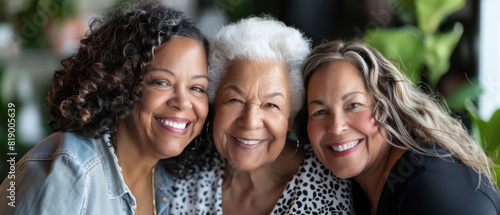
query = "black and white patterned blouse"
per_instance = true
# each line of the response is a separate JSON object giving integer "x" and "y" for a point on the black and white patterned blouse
{"x": 312, "y": 190}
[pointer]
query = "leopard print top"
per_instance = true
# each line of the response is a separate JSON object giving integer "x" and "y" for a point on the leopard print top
{"x": 313, "y": 190}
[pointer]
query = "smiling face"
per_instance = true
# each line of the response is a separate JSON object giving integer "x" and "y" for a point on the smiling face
{"x": 341, "y": 126}
{"x": 252, "y": 107}
{"x": 174, "y": 104}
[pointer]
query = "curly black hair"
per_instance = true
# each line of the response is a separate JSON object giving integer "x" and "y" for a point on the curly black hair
{"x": 100, "y": 85}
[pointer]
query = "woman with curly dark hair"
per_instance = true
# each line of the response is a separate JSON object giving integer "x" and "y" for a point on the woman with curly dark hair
{"x": 134, "y": 93}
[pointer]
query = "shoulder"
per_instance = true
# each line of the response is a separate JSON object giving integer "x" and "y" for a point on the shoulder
{"x": 412, "y": 166}
{"x": 315, "y": 188}
{"x": 52, "y": 175}
{"x": 62, "y": 156}
{"x": 73, "y": 145}
{"x": 443, "y": 185}
{"x": 312, "y": 170}
{"x": 201, "y": 192}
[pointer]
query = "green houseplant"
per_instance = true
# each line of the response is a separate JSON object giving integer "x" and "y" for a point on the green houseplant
{"x": 486, "y": 133}
{"x": 419, "y": 47}
{"x": 422, "y": 51}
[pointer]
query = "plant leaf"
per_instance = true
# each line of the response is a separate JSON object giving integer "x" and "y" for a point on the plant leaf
{"x": 477, "y": 124}
{"x": 405, "y": 10}
{"x": 437, "y": 52}
{"x": 467, "y": 92}
{"x": 491, "y": 134}
{"x": 430, "y": 13}
{"x": 401, "y": 45}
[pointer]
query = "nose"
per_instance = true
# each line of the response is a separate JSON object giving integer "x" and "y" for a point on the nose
{"x": 336, "y": 124}
{"x": 251, "y": 117}
{"x": 180, "y": 100}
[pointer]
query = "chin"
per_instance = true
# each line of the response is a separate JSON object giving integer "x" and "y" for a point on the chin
{"x": 170, "y": 152}
{"x": 342, "y": 175}
{"x": 344, "y": 172}
{"x": 243, "y": 166}
{"x": 176, "y": 153}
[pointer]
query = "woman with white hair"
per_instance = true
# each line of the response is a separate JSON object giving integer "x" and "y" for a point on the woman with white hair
{"x": 256, "y": 89}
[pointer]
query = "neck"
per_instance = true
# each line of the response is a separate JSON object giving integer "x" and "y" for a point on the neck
{"x": 268, "y": 176}
{"x": 134, "y": 161}
{"x": 137, "y": 169}
{"x": 372, "y": 181}
{"x": 257, "y": 191}
{"x": 260, "y": 179}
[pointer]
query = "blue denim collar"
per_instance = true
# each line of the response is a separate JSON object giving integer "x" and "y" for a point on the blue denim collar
{"x": 163, "y": 186}
{"x": 117, "y": 187}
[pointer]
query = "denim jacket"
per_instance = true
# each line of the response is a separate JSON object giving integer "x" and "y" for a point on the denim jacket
{"x": 68, "y": 173}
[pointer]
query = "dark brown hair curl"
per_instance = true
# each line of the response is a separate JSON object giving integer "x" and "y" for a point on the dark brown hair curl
{"x": 100, "y": 84}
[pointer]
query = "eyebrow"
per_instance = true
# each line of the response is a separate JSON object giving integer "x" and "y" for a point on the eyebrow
{"x": 344, "y": 97}
{"x": 239, "y": 91}
{"x": 350, "y": 94}
{"x": 234, "y": 88}
{"x": 173, "y": 74}
{"x": 318, "y": 102}
{"x": 163, "y": 70}
{"x": 271, "y": 95}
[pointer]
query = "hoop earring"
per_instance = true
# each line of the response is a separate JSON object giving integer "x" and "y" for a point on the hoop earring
{"x": 206, "y": 133}
{"x": 196, "y": 144}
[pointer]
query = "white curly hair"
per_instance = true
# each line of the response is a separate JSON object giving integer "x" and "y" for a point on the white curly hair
{"x": 260, "y": 39}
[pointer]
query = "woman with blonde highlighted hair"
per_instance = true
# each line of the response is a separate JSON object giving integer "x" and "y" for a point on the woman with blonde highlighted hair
{"x": 407, "y": 155}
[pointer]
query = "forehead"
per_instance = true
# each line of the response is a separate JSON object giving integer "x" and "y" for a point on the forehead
{"x": 251, "y": 72}
{"x": 337, "y": 77}
{"x": 179, "y": 49}
{"x": 339, "y": 72}
{"x": 180, "y": 55}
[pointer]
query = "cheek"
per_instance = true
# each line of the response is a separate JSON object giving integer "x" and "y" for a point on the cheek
{"x": 314, "y": 132}
{"x": 278, "y": 123}
{"x": 222, "y": 122}
{"x": 142, "y": 112}
{"x": 201, "y": 109}
{"x": 152, "y": 99}
{"x": 366, "y": 121}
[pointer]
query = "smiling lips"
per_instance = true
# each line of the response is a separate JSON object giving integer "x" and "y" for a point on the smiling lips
{"x": 249, "y": 142}
{"x": 346, "y": 146}
{"x": 177, "y": 125}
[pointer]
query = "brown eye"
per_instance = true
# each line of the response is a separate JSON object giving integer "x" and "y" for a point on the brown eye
{"x": 272, "y": 105}
{"x": 319, "y": 112}
{"x": 198, "y": 89}
{"x": 233, "y": 101}
{"x": 353, "y": 105}
{"x": 162, "y": 83}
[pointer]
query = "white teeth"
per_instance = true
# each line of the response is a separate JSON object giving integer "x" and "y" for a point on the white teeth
{"x": 248, "y": 142}
{"x": 173, "y": 124}
{"x": 344, "y": 147}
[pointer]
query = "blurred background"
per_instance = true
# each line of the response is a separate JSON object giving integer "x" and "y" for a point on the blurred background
{"x": 447, "y": 46}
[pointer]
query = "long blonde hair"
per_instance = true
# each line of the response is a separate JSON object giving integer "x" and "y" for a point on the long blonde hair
{"x": 410, "y": 116}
